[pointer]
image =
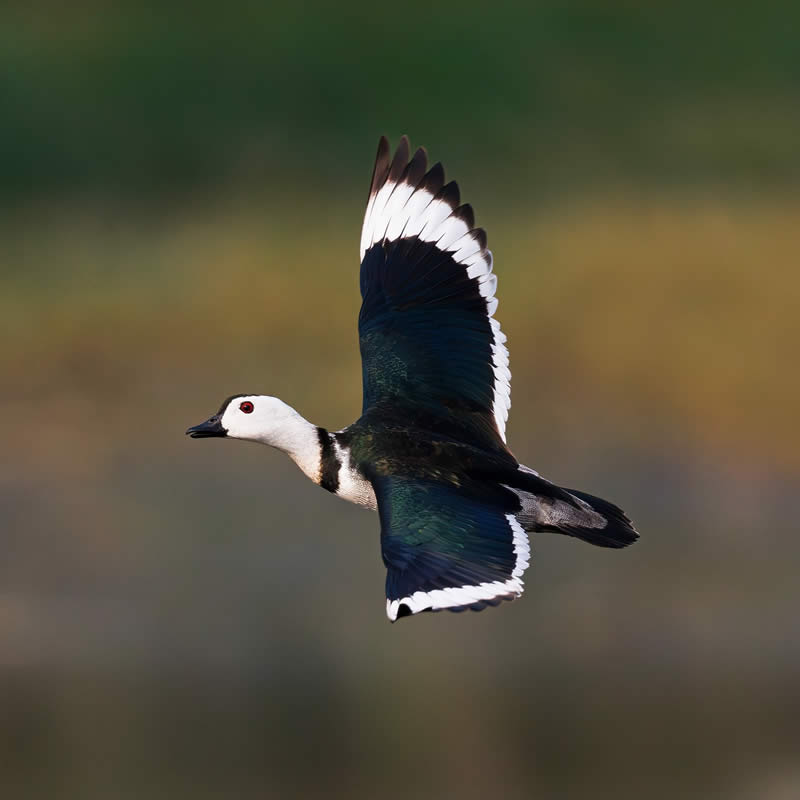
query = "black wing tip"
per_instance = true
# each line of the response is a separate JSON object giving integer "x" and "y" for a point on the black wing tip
{"x": 412, "y": 170}
{"x": 450, "y": 194}
{"x": 465, "y": 213}
{"x": 415, "y": 170}
{"x": 381, "y": 168}
{"x": 434, "y": 178}
{"x": 401, "y": 166}
{"x": 480, "y": 237}
{"x": 400, "y": 160}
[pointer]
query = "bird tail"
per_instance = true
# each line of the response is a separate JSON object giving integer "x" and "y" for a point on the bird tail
{"x": 547, "y": 507}
{"x": 618, "y": 530}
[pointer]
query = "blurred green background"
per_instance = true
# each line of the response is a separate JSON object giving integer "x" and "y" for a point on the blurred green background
{"x": 181, "y": 191}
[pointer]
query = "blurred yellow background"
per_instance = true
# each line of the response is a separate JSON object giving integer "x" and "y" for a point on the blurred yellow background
{"x": 180, "y": 208}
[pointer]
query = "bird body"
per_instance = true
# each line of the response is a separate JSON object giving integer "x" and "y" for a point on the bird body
{"x": 429, "y": 451}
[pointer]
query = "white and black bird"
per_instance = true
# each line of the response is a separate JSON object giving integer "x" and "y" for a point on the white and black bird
{"x": 429, "y": 450}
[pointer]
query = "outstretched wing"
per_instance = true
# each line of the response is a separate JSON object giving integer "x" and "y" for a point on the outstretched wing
{"x": 430, "y": 347}
{"x": 449, "y": 546}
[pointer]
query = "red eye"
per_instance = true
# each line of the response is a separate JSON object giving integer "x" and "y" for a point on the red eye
{"x": 246, "y": 407}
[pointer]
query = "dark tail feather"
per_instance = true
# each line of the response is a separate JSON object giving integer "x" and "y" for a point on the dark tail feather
{"x": 547, "y": 507}
{"x": 618, "y": 530}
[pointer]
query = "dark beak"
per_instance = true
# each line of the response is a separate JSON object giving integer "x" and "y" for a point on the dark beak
{"x": 205, "y": 430}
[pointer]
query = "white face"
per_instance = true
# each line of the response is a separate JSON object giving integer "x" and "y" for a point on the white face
{"x": 256, "y": 417}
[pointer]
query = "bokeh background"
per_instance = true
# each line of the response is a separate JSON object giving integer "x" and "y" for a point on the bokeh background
{"x": 181, "y": 196}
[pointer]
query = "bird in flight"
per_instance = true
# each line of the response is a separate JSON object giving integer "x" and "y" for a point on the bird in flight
{"x": 429, "y": 451}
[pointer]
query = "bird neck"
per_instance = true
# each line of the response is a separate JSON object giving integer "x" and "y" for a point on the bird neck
{"x": 323, "y": 457}
{"x": 300, "y": 440}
